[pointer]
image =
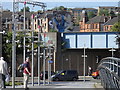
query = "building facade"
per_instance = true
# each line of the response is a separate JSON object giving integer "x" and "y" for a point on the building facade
{"x": 7, "y": 20}
{"x": 108, "y": 25}
{"x": 114, "y": 9}
{"x": 76, "y": 13}
{"x": 95, "y": 24}
{"x": 97, "y": 46}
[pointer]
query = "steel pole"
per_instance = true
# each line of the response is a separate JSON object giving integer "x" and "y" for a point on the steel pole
{"x": 24, "y": 33}
{"x": 39, "y": 57}
{"x": 84, "y": 62}
{"x": 33, "y": 51}
{"x": 48, "y": 72}
{"x": 44, "y": 66}
{"x": 112, "y": 52}
{"x": 13, "y": 47}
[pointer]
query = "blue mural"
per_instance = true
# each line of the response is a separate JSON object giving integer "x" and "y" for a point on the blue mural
{"x": 61, "y": 22}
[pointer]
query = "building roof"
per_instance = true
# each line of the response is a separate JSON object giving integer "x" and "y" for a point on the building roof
{"x": 6, "y": 14}
{"x": 84, "y": 15}
{"x": 76, "y": 29}
{"x": 107, "y": 7}
{"x": 84, "y": 9}
{"x": 98, "y": 19}
{"x": 112, "y": 21}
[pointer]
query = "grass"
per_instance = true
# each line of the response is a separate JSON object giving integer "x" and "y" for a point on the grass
{"x": 16, "y": 83}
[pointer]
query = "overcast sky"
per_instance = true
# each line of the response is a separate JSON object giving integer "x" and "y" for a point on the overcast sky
{"x": 67, "y": 0}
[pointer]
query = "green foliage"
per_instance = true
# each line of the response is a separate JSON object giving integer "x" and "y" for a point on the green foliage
{"x": 91, "y": 15}
{"x": 59, "y": 8}
{"x": 116, "y": 27}
{"x": 112, "y": 14}
{"x": 52, "y": 30}
{"x": 76, "y": 24}
{"x": 104, "y": 11}
{"x": 16, "y": 83}
{"x": 27, "y": 9}
{"x": 7, "y": 47}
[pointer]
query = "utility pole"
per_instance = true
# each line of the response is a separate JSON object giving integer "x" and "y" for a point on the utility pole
{"x": 84, "y": 67}
{"x": 112, "y": 50}
{"x": 24, "y": 32}
{"x": 33, "y": 50}
{"x": 84, "y": 62}
{"x": 14, "y": 20}
{"x": 1, "y": 28}
{"x": 44, "y": 57}
{"x": 39, "y": 55}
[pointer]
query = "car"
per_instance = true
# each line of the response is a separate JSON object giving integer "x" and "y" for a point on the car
{"x": 95, "y": 74}
{"x": 46, "y": 74}
{"x": 65, "y": 75}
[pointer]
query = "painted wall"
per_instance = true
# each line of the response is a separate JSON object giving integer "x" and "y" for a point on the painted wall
{"x": 90, "y": 40}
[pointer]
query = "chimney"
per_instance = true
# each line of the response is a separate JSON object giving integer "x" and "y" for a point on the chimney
{"x": 105, "y": 19}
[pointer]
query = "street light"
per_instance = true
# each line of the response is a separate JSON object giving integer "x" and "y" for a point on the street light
{"x": 112, "y": 50}
{"x": 84, "y": 56}
{"x": 3, "y": 32}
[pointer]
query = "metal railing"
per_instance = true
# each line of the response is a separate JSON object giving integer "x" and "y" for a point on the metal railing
{"x": 109, "y": 71}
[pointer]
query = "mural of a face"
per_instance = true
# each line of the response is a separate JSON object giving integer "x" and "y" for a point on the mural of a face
{"x": 62, "y": 22}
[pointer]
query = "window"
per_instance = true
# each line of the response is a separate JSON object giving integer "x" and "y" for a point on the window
{"x": 38, "y": 22}
{"x": 35, "y": 26}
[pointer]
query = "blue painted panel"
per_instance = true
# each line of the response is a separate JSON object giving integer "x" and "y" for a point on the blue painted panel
{"x": 71, "y": 40}
{"x": 99, "y": 41}
{"x": 112, "y": 41}
{"x": 83, "y": 39}
{"x": 91, "y": 40}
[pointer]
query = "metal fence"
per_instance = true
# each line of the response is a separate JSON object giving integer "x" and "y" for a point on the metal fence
{"x": 109, "y": 71}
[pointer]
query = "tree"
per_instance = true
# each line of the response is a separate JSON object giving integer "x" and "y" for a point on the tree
{"x": 91, "y": 15}
{"x": 104, "y": 12}
{"x": 59, "y": 8}
{"x": 112, "y": 14}
{"x": 116, "y": 27}
{"x": 27, "y": 9}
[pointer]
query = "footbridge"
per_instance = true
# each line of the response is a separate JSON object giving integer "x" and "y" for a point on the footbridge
{"x": 109, "y": 71}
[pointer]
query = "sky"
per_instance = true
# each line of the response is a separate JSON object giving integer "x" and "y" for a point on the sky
{"x": 67, "y": 0}
{"x": 7, "y": 4}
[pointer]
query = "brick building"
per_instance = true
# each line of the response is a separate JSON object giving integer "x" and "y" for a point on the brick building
{"x": 7, "y": 20}
{"x": 110, "y": 23}
{"x": 95, "y": 24}
{"x": 76, "y": 12}
{"x": 112, "y": 8}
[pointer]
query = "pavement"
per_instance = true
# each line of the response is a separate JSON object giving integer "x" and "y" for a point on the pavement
{"x": 89, "y": 83}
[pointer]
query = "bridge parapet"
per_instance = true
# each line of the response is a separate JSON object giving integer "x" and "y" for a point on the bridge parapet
{"x": 109, "y": 71}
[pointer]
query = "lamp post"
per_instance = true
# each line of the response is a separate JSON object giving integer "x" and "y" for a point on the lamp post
{"x": 24, "y": 33}
{"x": 3, "y": 32}
{"x": 112, "y": 50}
{"x": 13, "y": 47}
{"x": 84, "y": 56}
{"x": 33, "y": 50}
{"x": 39, "y": 55}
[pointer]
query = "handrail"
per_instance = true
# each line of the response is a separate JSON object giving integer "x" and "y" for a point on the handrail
{"x": 109, "y": 71}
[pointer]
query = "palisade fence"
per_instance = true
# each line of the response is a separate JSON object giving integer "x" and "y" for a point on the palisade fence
{"x": 109, "y": 71}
